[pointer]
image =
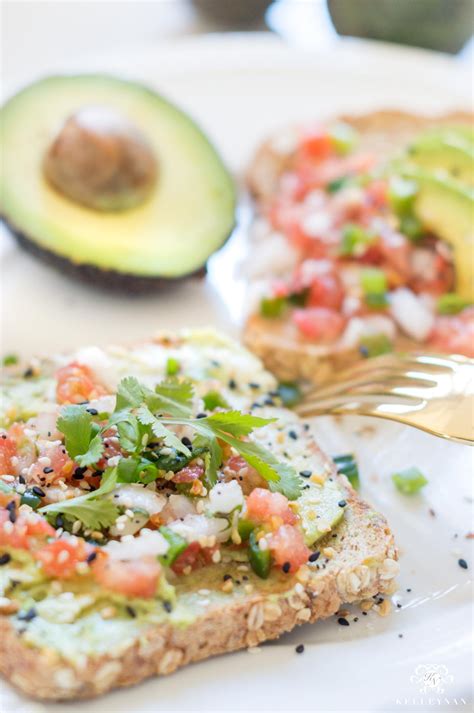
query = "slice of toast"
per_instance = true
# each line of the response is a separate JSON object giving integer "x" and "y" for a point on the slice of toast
{"x": 86, "y": 651}
{"x": 277, "y": 341}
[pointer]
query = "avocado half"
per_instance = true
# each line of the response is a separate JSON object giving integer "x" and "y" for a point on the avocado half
{"x": 187, "y": 217}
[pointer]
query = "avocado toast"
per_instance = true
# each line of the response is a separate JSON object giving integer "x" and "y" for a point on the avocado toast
{"x": 160, "y": 506}
{"x": 363, "y": 241}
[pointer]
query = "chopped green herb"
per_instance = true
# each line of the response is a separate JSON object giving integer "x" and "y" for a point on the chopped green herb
{"x": 343, "y": 138}
{"x": 81, "y": 434}
{"x": 409, "y": 481}
{"x": 411, "y": 227}
{"x": 336, "y": 185}
{"x": 245, "y": 527}
{"x": 260, "y": 560}
{"x": 29, "y": 498}
{"x": 290, "y": 393}
{"x": 93, "y": 512}
{"x": 177, "y": 545}
{"x": 374, "y": 285}
{"x": 273, "y": 307}
{"x": 213, "y": 400}
{"x": 172, "y": 366}
{"x": 374, "y": 345}
{"x": 401, "y": 194}
{"x": 355, "y": 240}
{"x": 451, "y": 303}
{"x": 10, "y": 360}
{"x": 347, "y": 465}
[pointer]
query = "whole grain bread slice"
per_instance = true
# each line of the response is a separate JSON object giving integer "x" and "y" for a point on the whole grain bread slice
{"x": 358, "y": 560}
{"x": 277, "y": 342}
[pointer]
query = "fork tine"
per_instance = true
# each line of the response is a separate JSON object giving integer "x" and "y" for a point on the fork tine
{"x": 405, "y": 379}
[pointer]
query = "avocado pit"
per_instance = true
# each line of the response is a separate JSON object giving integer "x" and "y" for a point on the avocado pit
{"x": 101, "y": 160}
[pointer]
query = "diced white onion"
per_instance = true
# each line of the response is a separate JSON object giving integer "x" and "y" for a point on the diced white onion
{"x": 273, "y": 256}
{"x": 359, "y": 327}
{"x": 136, "y": 497}
{"x": 100, "y": 364}
{"x": 178, "y": 507}
{"x": 225, "y": 497}
{"x": 193, "y": 527}
{"x": 411, "y": 314}
{"x": 149, "y": 543}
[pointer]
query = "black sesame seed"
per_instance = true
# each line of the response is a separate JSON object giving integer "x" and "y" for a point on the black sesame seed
{"x": 21, "y": 480}
{"x": 28, "y": 373}
{"x": 400, "y": 636}
{"x": 168, "y": 607}
{"x": 254, "y": 385}
{"x": 408, "y": 590}
{"x": 186, "y": 441}
{"x": 91, "y": 557}
{"x": 131, "y": 611}
{"x": 293, "y": 435}
{"x": 356, "y": 619}
{"x": 5, "y": 559}
{"x": 4, "y": 435}
{"x": 343, "y": 621}
{"x": 11, "y": 505}
{"x": 399, "y": 606}
{"x": 305, "y": 473}
{"x": 462, "y": 563}
{"x": 286, "y": 567}
{"x": 232, "y": 384}
{"x": 12, "y": 515}
{"x": 342, "y": 503}
{"x": 79, "y": 473}
{"x": 201, "y": 415}
{"x": 48, "y": 470}
{"x": 313, "y": 556}
{"x": 28, "y": 615}
{"x": 299, "y": 649}
{"x": 92, "y": 411}
{"x": 268, "y": 401}
{"x": 38, "y": 491}
{"x": 59, "y": 521}
{"x": 226, "y": 577}
{"x": 364, "y": 613}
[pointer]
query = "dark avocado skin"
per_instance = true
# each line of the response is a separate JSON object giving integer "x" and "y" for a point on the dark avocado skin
{"x": 123, "y": 282}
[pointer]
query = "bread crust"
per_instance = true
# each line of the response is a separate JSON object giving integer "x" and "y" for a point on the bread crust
{"x": 282, "y": 349}
{"x": 242, "y": 623}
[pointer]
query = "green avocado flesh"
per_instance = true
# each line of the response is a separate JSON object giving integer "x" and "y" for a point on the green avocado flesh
{"x": 450, "y": 151}
{"x": 446, "y": 206}
{"x": 319, "y": 509}
{"x": 188, "y": 216}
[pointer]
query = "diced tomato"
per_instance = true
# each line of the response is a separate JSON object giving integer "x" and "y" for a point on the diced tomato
{"x": 133, "y": 578}
{"x": 287, "y": 545}
{"x": 76, "y": 384}
{"x": 61, "y": 557}
{"x": 60, "y": 467}
{"x": 454, "y": 334}
{"x": 326, "y": 291}
{"x": 193, "y": 557}
{"x": 25, "y": 532}
{"x": 315, "y": 144}
{"x": 188, "y": 474}
{"x": 377, "y": 194}
{"x": 263, "y": 505}
{"x": 7, "y": 452}
{"x": 319, "y": 323}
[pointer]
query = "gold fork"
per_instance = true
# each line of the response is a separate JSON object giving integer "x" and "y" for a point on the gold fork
{"x": 431, "y": 392}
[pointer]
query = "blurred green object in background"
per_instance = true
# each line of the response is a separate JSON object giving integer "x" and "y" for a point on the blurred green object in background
{"x": 443, "y": 25}
{"x": 233, "y": 13}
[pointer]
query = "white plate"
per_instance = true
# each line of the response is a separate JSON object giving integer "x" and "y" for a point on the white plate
{"x": 240, "y": 88}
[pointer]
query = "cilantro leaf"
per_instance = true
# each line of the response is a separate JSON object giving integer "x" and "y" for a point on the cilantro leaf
{"x": 130, "y": 394}
{"x": 96, "y": 511}
{"x": 281, "y": 477}
{"x": 173, "y": 396}
{"x": 236, "y": 423}
{"x": 94, "y": 514}
{"x": 81, "y": 435}
{"x": 145, "y": 416}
